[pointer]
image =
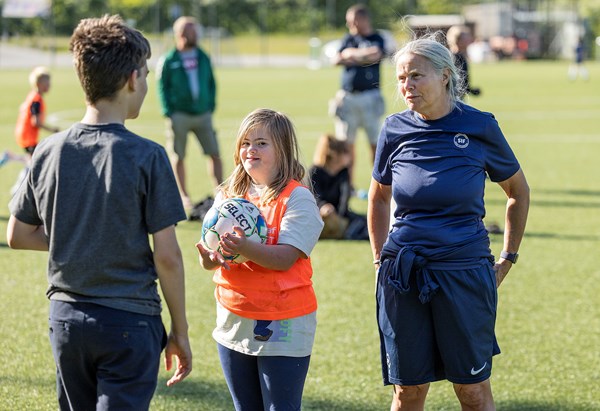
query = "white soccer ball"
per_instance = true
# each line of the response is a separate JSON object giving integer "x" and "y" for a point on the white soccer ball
{"x": 233, "y": 212}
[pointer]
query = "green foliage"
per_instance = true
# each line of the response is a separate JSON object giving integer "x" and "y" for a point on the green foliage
{"x": 548, "y": 322}
{"x": 254, "y": 16}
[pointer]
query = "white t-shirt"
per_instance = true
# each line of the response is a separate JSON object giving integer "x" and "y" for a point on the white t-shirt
{"x": 300, "y": 227}
{"x": 189, "y": 59}
{"x": 292, "y": 337}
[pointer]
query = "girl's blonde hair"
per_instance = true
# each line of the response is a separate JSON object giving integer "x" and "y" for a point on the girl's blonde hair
{"x": 287, "y": 154}
{"x": 328, "y": 148}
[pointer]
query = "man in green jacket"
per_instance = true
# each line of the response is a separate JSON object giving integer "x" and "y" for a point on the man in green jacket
{"x": 187, "y": 89}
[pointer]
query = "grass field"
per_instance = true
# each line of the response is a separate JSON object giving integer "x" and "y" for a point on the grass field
{"x": 549, "y": 313}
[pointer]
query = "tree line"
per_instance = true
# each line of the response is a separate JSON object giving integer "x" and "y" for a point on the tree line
{"x": 247, "y": 16}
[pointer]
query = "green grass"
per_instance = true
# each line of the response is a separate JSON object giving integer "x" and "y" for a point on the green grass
{"x": 549, "y": 317}
{"x": 241, "y": 44}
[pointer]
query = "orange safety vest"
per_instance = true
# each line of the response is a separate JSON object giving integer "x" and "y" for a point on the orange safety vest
{"x": 26, "y": 133}
{"x": 252, "y": 291}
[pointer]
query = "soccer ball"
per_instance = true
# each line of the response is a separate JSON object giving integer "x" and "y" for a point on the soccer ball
{"x": 233, "y": 212}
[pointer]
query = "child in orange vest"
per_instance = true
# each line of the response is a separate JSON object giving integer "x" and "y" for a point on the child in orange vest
{"x": 29, "y": 122}
{"x": 32, "y": 111}
{"x": 266, "y": 307}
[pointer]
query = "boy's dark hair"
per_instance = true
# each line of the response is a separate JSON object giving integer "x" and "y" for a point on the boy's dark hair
{"x": 106, "y": 51}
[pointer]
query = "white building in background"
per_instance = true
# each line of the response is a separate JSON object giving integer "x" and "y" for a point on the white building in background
{"x": 502, "y": 30}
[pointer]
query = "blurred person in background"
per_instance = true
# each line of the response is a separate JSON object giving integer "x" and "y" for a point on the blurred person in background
{"x": 459, "y": 38}
{"x": 577, "y": 68}
{"x": 331, "y": 184}
{"x": 30, "y": 121}
{"x": 187, "y": 93}
{"x": 359, "y": 103}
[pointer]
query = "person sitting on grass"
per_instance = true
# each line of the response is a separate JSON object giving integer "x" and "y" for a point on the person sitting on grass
{"x": 330, "y": 178}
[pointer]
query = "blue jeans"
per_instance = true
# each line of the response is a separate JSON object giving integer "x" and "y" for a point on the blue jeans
{"x": 264, "y": 382}
{"x": 105, "y": 358}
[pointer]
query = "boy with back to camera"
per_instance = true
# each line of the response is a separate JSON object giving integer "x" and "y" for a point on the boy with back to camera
{"x": 93, "y": 195}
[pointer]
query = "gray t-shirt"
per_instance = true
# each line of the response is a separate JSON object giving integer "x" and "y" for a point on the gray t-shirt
{"x": 99, "y": 191}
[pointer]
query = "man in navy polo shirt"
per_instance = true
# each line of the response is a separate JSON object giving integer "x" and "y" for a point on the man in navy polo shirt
{"x": 359, "y": 102}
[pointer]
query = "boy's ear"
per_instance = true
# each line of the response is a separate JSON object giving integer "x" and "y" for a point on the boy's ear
{"x": 132, "y": 80}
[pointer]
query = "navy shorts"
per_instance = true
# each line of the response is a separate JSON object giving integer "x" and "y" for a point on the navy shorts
{"x": 450, "y": 337}
{"x": 105, "y": 358}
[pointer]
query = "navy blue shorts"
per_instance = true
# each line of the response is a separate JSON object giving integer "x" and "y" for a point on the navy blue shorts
{"x": 105, "y": 358}
{"x": 450, "y": 337}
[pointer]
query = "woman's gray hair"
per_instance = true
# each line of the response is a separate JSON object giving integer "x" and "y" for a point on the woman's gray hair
{"x": 434, "y": 50}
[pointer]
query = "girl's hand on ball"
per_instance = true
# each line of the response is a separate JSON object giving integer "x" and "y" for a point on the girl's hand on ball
{"x": 210, "y": 259}
{"x": 234, "y": 243}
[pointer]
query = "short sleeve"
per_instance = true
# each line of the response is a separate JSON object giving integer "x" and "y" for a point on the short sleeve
{"x": 345, "y": 43}
{"x": 301, "y": 224}
{"x": 500, "y": 161}
{"x": 23, "y": 204}
{"x": 163, "y": 205}
{"x": 382, "y": 171}
{"x": 35, "y": 108}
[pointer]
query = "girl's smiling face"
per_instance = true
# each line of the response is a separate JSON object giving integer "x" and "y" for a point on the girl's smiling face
{"x": 257, "y": 154}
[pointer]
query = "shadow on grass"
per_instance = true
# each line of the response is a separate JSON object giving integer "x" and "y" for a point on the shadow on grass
{"x": 574, "y": 237}
{"x": 568, "y": 192}
{"x": 324, "y": 405}
{"x": 524, "y": 405}
{"x": 208, "y": 395}
{"x": 193, "y": 394}
{"x": 551, "y": 203}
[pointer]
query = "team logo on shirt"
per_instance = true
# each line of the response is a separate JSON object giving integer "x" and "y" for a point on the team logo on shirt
{"x": 461, "y": 140}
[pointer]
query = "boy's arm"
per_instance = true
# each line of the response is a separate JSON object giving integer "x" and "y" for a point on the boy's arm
{"x": 169, "y": 266}
{"x": 22, "y": 236}
{"x": 36, "y": 119}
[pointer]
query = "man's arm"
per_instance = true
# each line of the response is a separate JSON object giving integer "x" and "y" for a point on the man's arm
{"x": 22, "y": 236}
{"x": 162, "y": 83}
{"x": 359, "y": 56}
{"x": 169, "y": 266}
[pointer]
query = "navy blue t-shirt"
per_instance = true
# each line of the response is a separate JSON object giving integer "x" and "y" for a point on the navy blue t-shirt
{"x": 361, "y": 77}
{"x": 437, "y": 171}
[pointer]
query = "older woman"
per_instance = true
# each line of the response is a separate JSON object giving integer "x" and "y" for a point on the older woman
{"x": 437, "y": 278}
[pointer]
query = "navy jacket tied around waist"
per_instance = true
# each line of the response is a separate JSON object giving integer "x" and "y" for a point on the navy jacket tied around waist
{"x": 399, "y": 262}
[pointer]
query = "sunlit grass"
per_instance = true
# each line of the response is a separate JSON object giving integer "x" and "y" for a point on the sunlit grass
{"x": 549, "y": 316}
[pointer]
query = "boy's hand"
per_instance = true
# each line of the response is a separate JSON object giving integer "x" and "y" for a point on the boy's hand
{"x": 178, "y": 346}
{"x": 210, "y": 259}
